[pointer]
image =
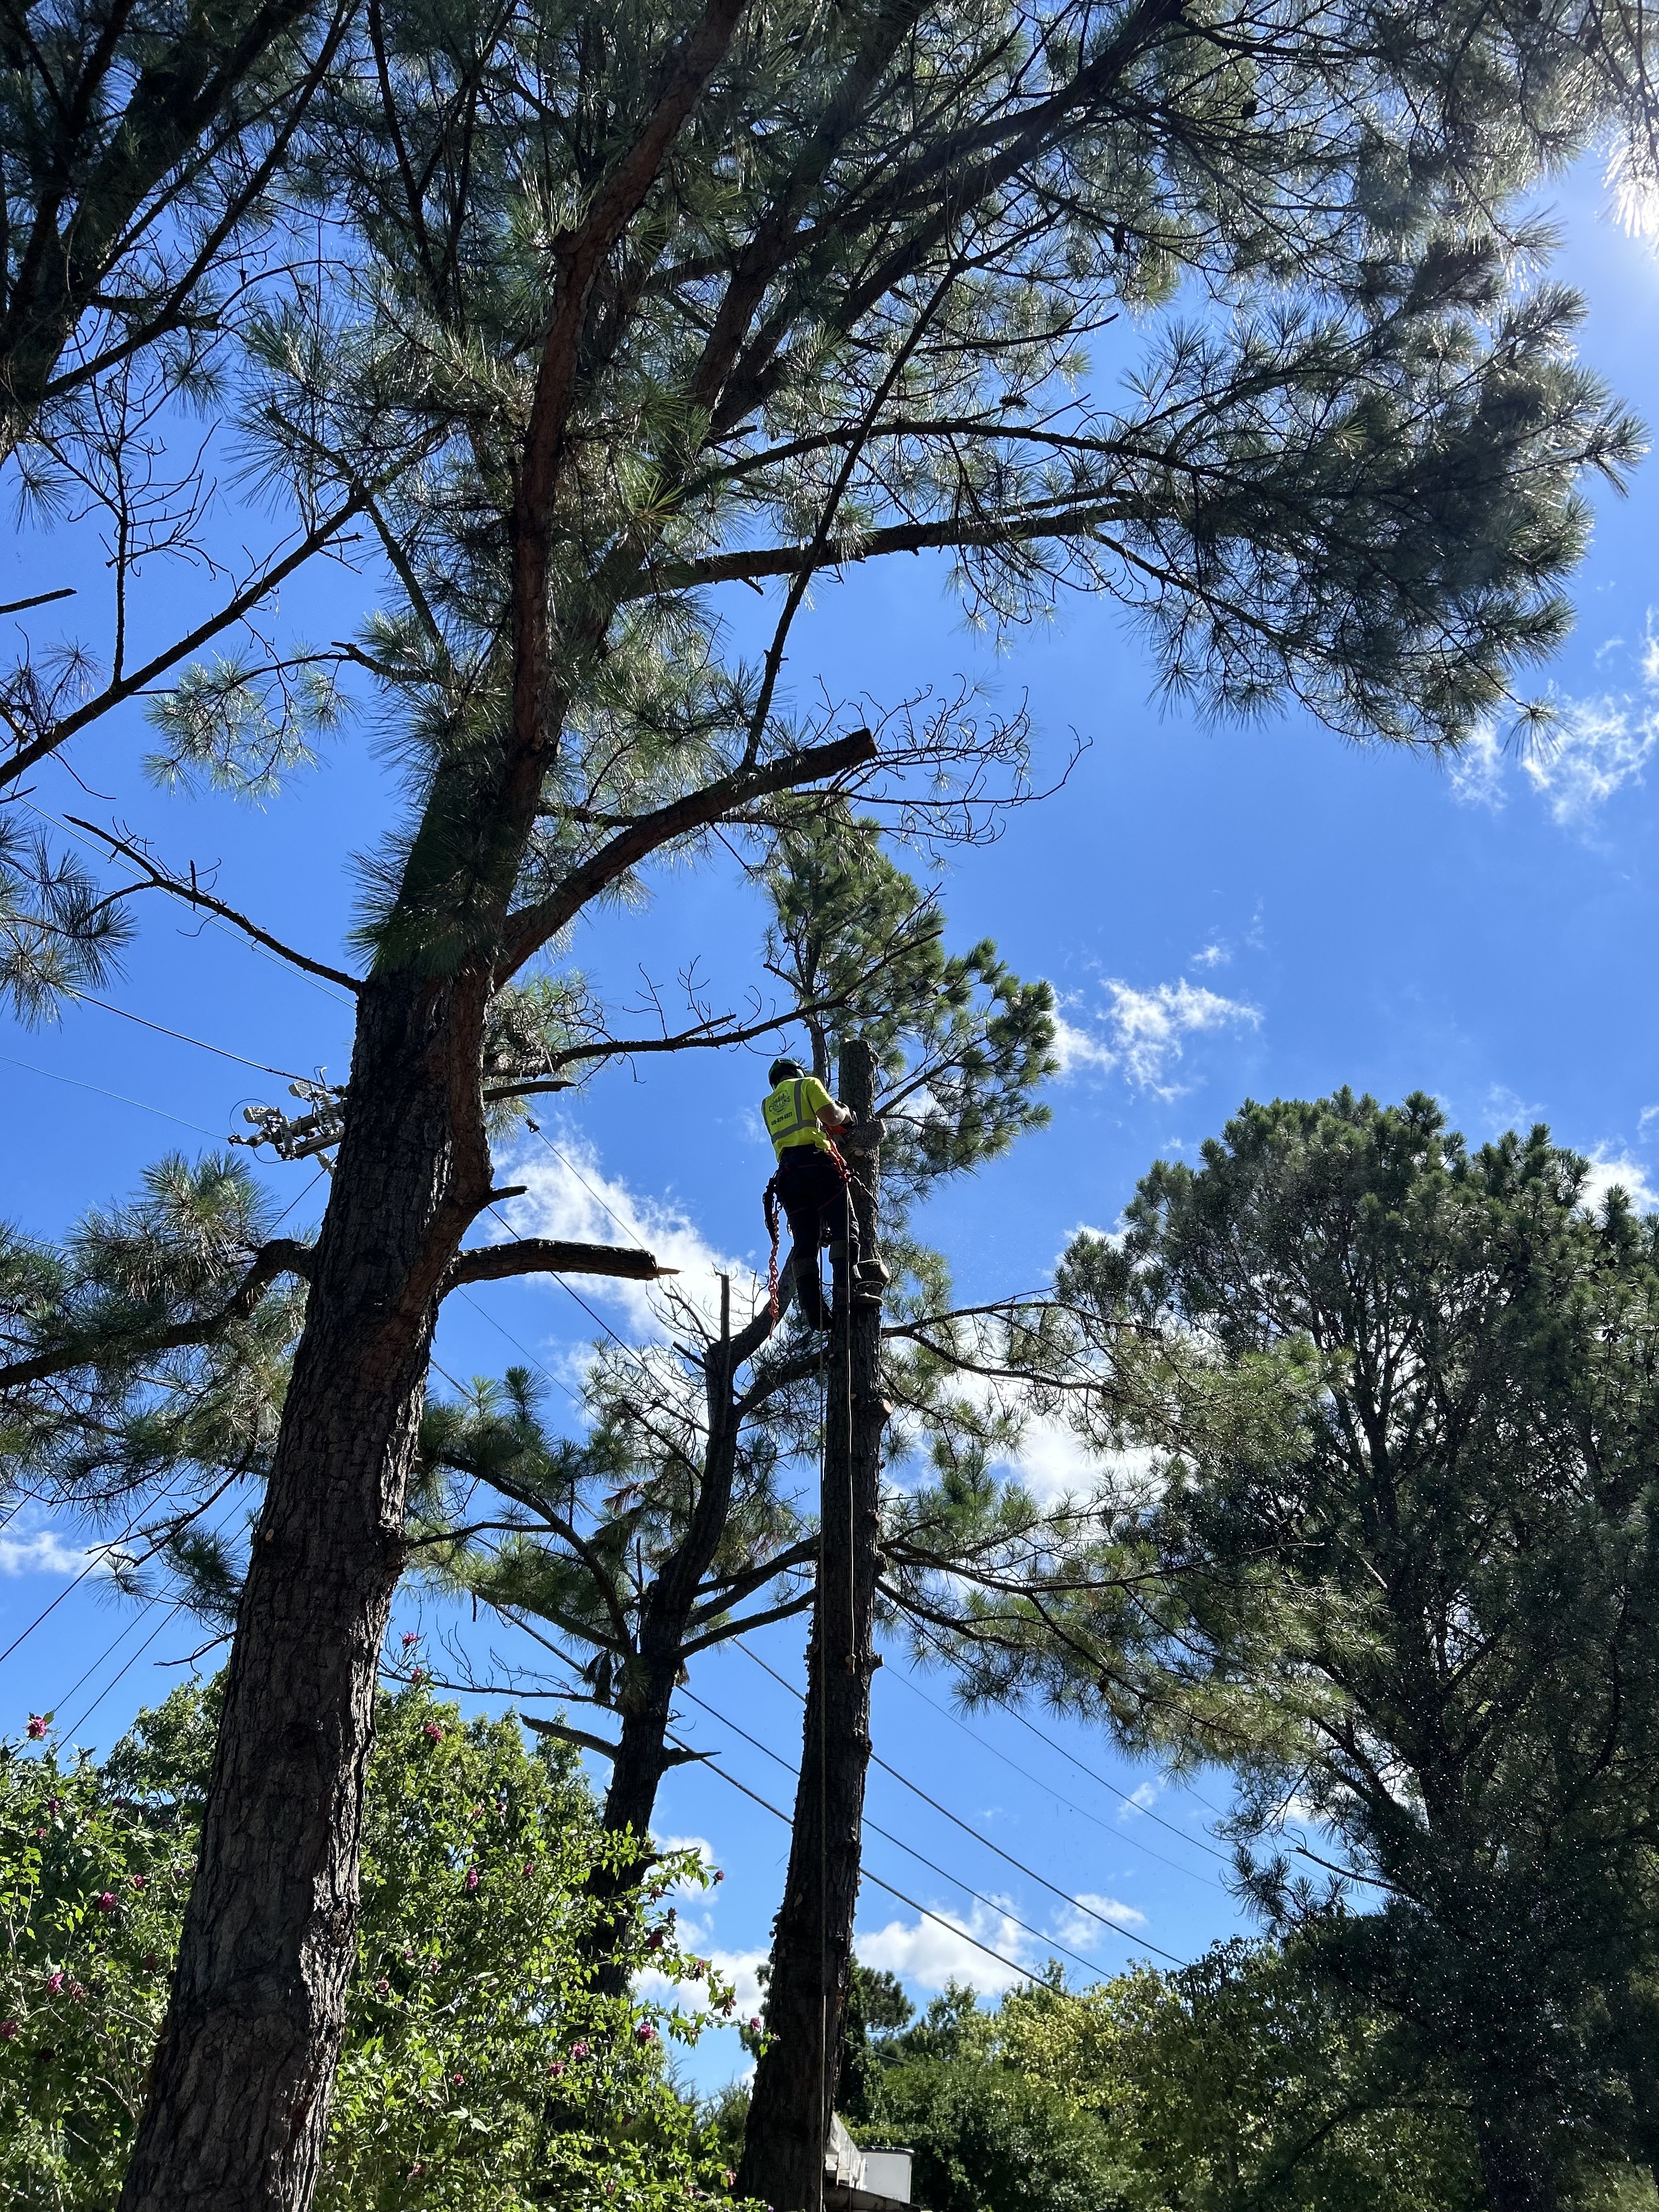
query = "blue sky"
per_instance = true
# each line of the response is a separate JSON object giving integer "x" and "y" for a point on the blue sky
{"x": 1225, "y": 913}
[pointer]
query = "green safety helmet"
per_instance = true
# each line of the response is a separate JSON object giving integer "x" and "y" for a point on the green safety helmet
{"x": 782, "y": 1071}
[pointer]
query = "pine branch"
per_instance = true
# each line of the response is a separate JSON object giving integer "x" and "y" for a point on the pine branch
{"x": 549, "y": 1256}
{"x": 531, "y": 927}
{"x": 282, "y": 1256}
{"x": 162, "y": 879}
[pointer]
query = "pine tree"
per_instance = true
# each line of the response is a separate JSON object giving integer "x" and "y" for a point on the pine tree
{"x": 627, "y": 310}
{"x": 1406, "y": 1406}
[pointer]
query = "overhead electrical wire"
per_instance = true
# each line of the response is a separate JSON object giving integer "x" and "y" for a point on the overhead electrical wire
{"x": 945, "y": 1873}
{"x": 967, "y": 1827}
{"x": 84, "y": 998}
{"x": 1191, "y": 1873}
{"x": 938, "y": 1920}
{"x": 1145, "y": 1811}
{"x": 213, "y": 920}
{"x": 52, "y": 1076}
{"x": 1106, "y": 1827}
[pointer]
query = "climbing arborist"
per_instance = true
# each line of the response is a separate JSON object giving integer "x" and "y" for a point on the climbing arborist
{"x": 810, "y": 1183}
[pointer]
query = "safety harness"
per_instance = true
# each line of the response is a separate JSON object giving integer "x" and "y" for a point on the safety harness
{"x": 770, "y": 1207}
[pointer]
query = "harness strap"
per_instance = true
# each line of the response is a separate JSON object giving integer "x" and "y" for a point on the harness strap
{"x": 769, "y": 1209}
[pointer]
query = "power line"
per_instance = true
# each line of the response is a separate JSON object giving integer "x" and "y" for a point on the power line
{"x": 98, "y": 1554}
{"x": 968, "y": 1829}
{"x": 1014, "y": 1714}
{"x": 938, "y": 1920}
{"x": 1106, "y": 1828}
{"x": 212, "y": 920}
{"x": 945, "y": 1873}
{"x": 83, "y": 999}
{"x": 80, "y": 1720}
{"x": 52, "y": 1076}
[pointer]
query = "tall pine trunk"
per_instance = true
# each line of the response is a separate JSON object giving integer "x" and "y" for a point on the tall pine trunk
{"x": 812, "y": 1940}
{"x": 237, "y": 2116}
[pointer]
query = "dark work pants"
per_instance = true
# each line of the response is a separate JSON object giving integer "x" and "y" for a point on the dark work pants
{"x": 819, "y": 1208}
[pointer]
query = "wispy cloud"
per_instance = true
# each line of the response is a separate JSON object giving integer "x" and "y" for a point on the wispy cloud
{"x": 740, "y": 1968}
{"x": 43, "y": 1552}
{"x": 1080, "y": 1929}
{"x": 568, "y": 1194}
{"x": 1599, "y": 743}
{"x": 1142, "y": 1035}
{"x": 1142, "y": 1799}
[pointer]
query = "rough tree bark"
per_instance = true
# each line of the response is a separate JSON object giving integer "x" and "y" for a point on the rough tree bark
{"x": 237, "y": 2113}
{"x": 812, "y": 1939}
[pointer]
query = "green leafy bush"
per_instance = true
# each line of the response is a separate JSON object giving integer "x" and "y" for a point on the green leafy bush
{"x": 479, "y": 2066}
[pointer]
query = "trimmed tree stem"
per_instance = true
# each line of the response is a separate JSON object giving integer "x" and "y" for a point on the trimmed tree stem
{"x": 790, "y": 2111}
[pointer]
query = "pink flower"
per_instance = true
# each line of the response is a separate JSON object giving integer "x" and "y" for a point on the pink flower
{"x": 39, "y": 1833}
{"x": 579, "y": 2050}
{"x": 457, "y": 2079}
{"x": 471, "y": 1883}
{"x": 557, "y": 2068}
{"x": 77, "y": 1995}
{"x": 8, "y": 2030}
{"x": 37, "y": 1730}
{"x": 417, "y": 1675}
{"x": 646, "y": 2032}
{"x": 719, "y": 1874}
{"x": 529, "y": 1868}
{"x": 383, "y": 1988}
{"x": 54, "y": 1982}
{"x": 409, "y": 1637}
{"x": 728, "y": 2176}
{"x": 138, "y": 1881}
{"x": 108, "y": 1901}
{"x": 435, "y": 1733}
{"x": 755, "y": 2027}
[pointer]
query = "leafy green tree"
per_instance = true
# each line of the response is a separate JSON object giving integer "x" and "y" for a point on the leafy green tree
{"x": 479, "y": 2064}
{"x": 1244, "y": 2080}
{"x": 1408, "y": 1409}
{"x": 631, "y": 309}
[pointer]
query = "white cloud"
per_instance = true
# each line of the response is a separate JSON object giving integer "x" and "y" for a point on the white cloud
{"x": 1076, "y": 1049}
{"x": 45, "y": 1553}
{"x": 1142, "y": 1798}
{"x": 1605, "y": 1172}
{"x": 567, "y": 1194}
{"x": 1053, "y": 1461}
{"x": 1212, "y": 956}
{"x": 1597, "y": 746}
{"x": 1141, "y": 1033}
{"x": 740, "y": 1968}
{"x": 927, "y": 1955}
{"x": 1476, "y": 768}
{"x": 1079, "y": 1928}
{"x": 705, "y": 1852}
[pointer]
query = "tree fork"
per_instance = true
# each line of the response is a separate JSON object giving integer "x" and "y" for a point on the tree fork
{"x": 790, "y": 2111}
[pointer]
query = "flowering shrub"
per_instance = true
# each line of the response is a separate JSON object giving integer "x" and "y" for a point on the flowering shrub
{"x": 479, "y": 2066}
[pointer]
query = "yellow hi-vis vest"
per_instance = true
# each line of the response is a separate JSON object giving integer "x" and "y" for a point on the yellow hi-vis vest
{"x": 791, "y": 1110}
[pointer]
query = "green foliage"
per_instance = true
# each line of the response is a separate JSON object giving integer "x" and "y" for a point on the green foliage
{"x": 1406, "y": 1417}
{"x": 153, "y": 1369}
{"x": 479, "y": 2066}
{"x": 58, "y": 936}
{"x": 961, "y": 1045}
